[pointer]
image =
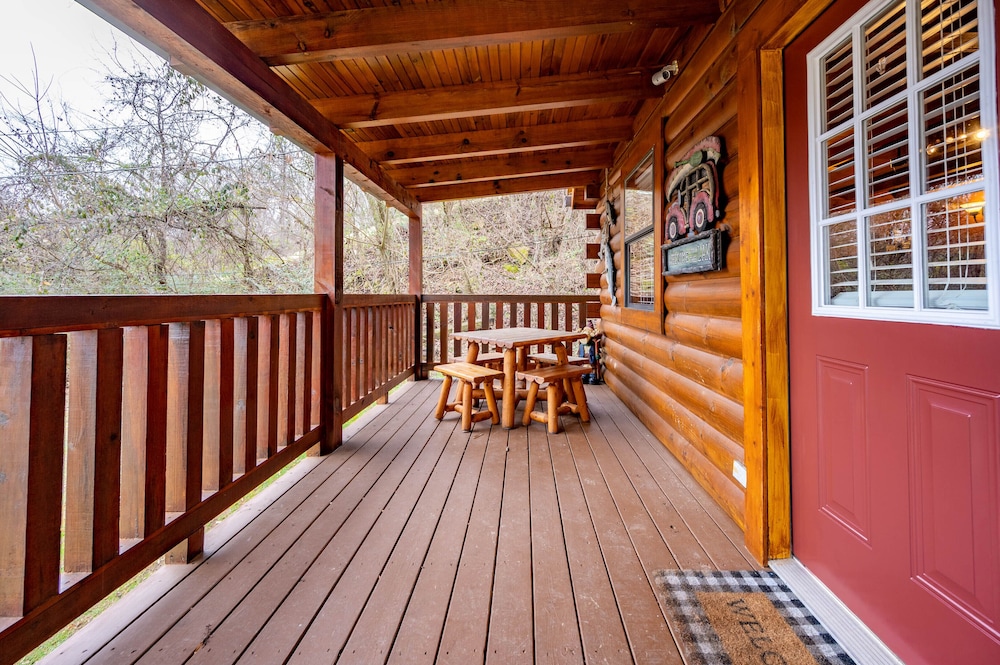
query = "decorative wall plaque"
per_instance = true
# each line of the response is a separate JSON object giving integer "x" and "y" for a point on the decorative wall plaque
{"x": 693, "y": 207}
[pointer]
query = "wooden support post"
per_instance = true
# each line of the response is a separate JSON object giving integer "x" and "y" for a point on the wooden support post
{"x": 329, "y": 278}
{"x": 416, "y": 240}
{"x": 763, "y": 272}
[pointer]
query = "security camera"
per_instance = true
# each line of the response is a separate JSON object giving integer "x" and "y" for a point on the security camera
{"x": 661, "y": 76}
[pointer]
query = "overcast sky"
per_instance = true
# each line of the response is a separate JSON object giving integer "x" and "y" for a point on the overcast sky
{"x": 69, "y": 42}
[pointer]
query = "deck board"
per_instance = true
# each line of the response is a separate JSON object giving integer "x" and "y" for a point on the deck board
{"x": 418, "y": 543}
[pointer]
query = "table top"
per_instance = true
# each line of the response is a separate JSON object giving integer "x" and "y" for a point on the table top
{"x": 511, "y": 338}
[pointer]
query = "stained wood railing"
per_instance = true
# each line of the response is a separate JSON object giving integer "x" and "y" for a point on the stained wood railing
{"x": 127, "y": 423}
{"x": 380, "y": 351}
{"x": 445, "y": 314}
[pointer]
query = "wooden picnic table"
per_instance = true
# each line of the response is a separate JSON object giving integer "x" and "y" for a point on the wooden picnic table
{"x": 514, "y": 342}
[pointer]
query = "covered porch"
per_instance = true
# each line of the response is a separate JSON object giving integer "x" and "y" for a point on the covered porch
{"x": 416, "y": 542}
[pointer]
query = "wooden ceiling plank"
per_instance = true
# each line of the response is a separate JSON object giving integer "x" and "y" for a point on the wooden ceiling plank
{"x": 491, "y": 168}
{"x": 203, "y": 48}
{"x": 471, "y": 190}
{"x": 487, "y": 98}
{"x": 448, "y": 24}
{"x": 499, "y": 141}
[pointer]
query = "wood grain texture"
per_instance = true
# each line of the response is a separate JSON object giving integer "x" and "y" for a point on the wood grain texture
{"x": 15, "y": 427}
{"x": 444, "y": 103}
{"x": 44, "y": 470}
{"x": 39, "y": 315}
{"x": 381, "y": 31}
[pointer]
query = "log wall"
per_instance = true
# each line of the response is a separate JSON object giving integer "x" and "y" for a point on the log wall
{"x": 681, "y": 366}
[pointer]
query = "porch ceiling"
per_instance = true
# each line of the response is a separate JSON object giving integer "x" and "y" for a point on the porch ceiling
{"x": 433, "y": 99}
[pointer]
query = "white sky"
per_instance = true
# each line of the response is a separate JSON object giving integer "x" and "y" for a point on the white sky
{"x": 69, "y": 42}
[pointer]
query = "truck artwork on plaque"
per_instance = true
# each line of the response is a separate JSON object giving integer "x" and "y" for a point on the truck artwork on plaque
{"x": 693, "y": 208}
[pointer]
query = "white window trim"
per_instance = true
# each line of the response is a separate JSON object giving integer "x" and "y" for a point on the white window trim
{"x": 990, "y": 318}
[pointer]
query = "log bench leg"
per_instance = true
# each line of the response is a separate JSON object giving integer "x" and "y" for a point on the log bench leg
{"x": 581, "y": 400}
{"x": 442, "y": 404}
{"x": 465, "y": 388}
{"x": 552, "y": 392}
{"x": 529, "y": 403}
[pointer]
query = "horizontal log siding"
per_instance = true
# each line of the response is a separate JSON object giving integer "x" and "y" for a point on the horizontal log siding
{"x": 684, "y": 376}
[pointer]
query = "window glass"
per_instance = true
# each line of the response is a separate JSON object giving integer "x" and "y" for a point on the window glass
{"x": 639, "y": 265}
{"x": 904, "y": 169}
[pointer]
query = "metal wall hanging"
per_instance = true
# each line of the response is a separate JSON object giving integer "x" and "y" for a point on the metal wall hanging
{"x": 607, "y": 253}
{"x": 693, "y": 209}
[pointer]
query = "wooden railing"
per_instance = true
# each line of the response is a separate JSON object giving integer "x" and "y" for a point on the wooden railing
{"x": 380, "y": 351}
{"x": 127, "y": 423}
{"x": 445, "y": 314}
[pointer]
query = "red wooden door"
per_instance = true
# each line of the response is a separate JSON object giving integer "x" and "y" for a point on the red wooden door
{"x": 895, "y": 454}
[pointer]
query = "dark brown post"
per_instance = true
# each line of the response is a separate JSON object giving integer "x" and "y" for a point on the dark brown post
{"x": 43, "y": 498}
{"x": 416, "y": 238}
{"x": 329, "y": 277}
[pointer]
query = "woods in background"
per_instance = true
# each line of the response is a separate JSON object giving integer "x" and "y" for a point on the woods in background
{"x": 171, "y": 189}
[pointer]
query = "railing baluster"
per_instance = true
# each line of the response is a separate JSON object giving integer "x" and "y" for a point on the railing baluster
{"x": 155, "y": 493}
{"x": 457, "y": 326}
{"x": 251, "y": 436}
{"x": 134, "y": 419}
{"x": 43, "y": 496}
{"x": 227, "y": 401}
{"x": 79, "y": 536}
{"x": 185, "y": 431}
{"x": 308, "y": 372}
{"x": 443, "y": 311}
{"x": 212, "y": 413}
{"x": 274, "y": 376}
{"x": 15, "y": 427}
{"x": 291, "y": 364}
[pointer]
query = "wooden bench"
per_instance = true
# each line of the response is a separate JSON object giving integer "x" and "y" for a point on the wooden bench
{"x": 553, "y": 359}
{"x": 491, "y": 360}
{"x": 469, "y": 377}
{"x": 559, "y": 400}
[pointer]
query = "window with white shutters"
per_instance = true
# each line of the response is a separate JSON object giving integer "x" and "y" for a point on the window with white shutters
{"x": 904, "y": 174}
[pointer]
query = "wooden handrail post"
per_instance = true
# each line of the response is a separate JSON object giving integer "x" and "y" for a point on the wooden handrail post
{"x": 329, "y": 279}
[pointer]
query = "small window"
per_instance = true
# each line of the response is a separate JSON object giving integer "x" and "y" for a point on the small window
{"x": 638, "y": 213}
{"x": 904, "y": 175}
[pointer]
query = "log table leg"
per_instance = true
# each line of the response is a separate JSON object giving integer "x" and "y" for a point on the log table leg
{"x": 509, "y": 387}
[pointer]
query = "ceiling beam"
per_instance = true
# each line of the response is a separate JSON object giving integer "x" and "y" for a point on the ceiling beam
{"x": 473, "y": 190}
{"x": 499, "y": 141}
{"x": 455, "y": 24}
{"x": 200, "y": 46}
{"x": 492, "y": 168}
{"x": 459, "y": 101}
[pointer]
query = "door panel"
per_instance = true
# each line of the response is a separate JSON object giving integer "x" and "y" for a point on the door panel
{"x": 895, "y": 453}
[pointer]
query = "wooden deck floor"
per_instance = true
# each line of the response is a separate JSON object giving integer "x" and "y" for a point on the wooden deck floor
{"x": 418, "y": 543}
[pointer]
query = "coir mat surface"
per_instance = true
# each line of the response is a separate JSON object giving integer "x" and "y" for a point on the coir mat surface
{"x": 745, "y": 618}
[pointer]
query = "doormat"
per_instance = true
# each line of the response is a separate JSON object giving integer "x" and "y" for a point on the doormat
{"x": 744, "y": 618}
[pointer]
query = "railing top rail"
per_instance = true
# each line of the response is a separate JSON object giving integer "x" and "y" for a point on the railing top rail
{"x": 487, "y": 297}
{"x": 362, "y": 300}
{"x": 38, "y": 315}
